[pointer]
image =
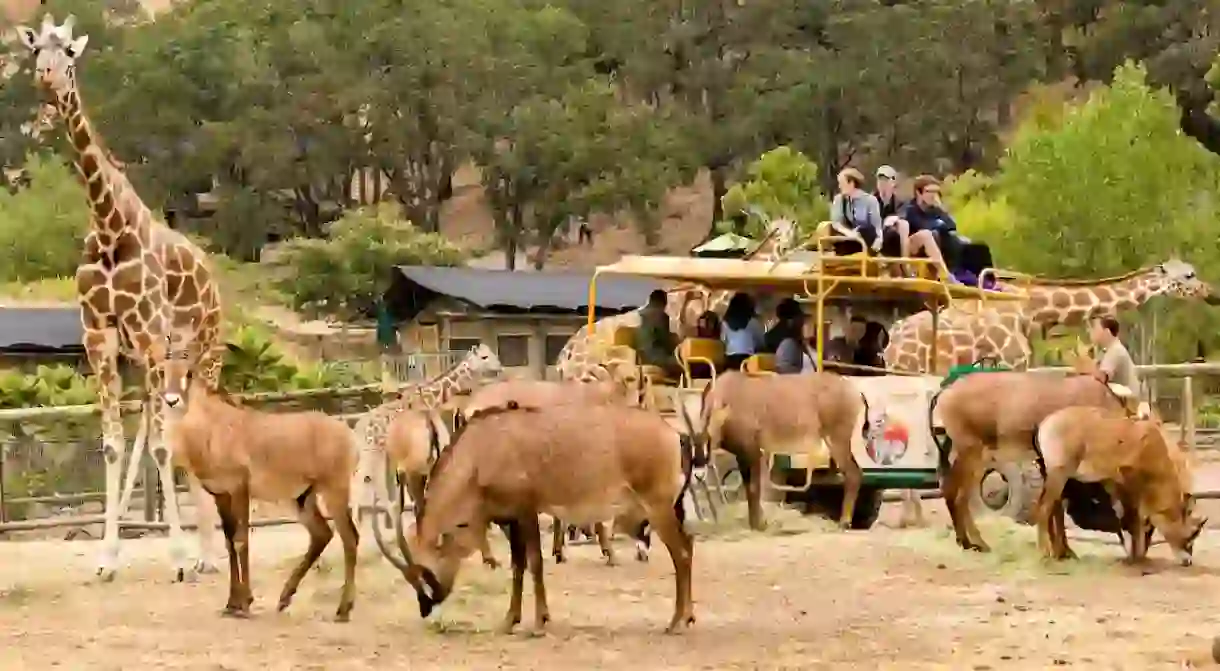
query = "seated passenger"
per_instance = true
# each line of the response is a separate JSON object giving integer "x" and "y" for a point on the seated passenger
{"x": 892, "y": 208}
{"x": 843, "y": 342}
{"x": 741, "y": 331}
{"x": 870, "y": 348}
{"x": 708, "y": 326}
{"x": 788, "y": 319}
{"x": 654, "y": 343}
{"x": 933, "y": 231}
{"x": 854, "y": 210}
{"x": 790, "y": 352}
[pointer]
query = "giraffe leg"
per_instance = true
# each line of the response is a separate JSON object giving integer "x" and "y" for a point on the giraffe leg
{"x": 102, "y": 348}
{"x": 163, "y": 456}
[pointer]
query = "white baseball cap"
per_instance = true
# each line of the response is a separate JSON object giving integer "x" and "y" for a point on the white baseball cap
{"x": 887, "y": 171}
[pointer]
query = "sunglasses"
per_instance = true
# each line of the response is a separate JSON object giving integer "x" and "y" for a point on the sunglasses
{"x": 885, "y": 177}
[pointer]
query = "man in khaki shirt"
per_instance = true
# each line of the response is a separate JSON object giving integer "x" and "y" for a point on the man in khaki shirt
{"x": 1116, "y": 365}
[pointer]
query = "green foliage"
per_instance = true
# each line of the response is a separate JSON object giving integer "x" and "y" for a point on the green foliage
{"x": 41, "y": 226}
{"x": 347, "y": 274}
{"x": 1110, "y": 187}
{"x": 1113, "y": 187}
{"x": 47, "y": 386}
{"x": 254, "y": 363}
{"x": 782, "y": 183}
{"x": 981, "y": 210}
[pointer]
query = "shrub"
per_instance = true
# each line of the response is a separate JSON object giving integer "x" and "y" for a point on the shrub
{"x": 41, "y": 225}
{"x": 346, "y": 275}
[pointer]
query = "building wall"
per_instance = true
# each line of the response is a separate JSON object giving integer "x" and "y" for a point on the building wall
{"x": 526, "y": 344}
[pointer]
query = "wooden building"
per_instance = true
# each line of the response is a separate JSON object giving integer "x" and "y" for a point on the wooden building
{"x": 525, "y": 317}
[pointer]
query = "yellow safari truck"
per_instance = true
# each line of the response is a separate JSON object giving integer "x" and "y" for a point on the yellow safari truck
{"x": 898, "y": 454}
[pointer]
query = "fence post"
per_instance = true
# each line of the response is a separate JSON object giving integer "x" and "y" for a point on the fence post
{"x": 1188, "y": 412}
{"x": 3, "y": 458}
{"x": 152, "y": 485}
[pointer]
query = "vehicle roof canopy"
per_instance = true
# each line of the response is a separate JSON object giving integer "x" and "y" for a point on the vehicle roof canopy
{"x": 845, "y": 279}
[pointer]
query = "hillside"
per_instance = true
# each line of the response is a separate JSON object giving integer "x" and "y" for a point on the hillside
{"x": 467, "y": 220}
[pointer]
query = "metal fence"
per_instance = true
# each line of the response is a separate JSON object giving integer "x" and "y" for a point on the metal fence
{"x": 52, "y": 473}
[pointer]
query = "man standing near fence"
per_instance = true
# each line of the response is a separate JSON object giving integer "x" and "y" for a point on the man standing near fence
{"x": 1115, "y": 364}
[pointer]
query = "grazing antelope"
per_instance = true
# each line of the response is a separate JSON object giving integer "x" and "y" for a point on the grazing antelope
{"x": 1147, "y": 476}
{"x": 238, "y": 453}
{"x": 579, "y": 463}
{"x": 618, "y": 387}
{"x": 751, "y": 416}
{"x": 999, "y": 413}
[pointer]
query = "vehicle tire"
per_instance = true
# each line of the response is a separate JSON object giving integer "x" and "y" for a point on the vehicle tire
{"x": 1020, "y": 483}
{"x": 827, "y": 501}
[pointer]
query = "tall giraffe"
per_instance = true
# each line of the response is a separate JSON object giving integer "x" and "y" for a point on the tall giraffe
{"x": 1002, "y": 331}
{"x": 429, "y": 396}
{"x": 585, "y": 353}
{"x": 138, "y": 283}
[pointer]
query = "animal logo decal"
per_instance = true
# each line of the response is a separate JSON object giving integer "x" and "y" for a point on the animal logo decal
{"x": 888, "y": 443}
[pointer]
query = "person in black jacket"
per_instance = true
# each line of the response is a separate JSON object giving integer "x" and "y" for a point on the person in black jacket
{"x": 933, "y": 231}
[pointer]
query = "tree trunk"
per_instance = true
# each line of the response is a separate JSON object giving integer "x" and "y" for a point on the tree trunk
{"x": 719, "y": 188}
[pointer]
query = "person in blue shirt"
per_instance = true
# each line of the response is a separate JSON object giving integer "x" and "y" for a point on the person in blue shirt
{"x": 933, "y": 231}
{"x": 741, "y": 331}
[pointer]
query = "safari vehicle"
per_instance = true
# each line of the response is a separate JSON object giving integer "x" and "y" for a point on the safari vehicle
{"x": 901, "y": 453}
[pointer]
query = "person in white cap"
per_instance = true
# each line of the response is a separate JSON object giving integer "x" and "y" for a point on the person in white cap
{"x": 892, "y": 207}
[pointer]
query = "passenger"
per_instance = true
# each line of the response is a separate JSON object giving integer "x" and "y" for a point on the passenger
{"x": 790, "y": 351}
{"x": 843, "y": 342}
{"x": 654, "y": 343}
{"x": 741, "y": 332}
{"x": 854, "y": 210}
{"x": 1115, "y": 365}
{"x": 887, "y": 193}
{"x": 892, "y": 208}
{"x": 708, "y": 326}
{"x": 933, "y": 231}
{"x": 869, "y": 349}
{"x": 788, "y": 320}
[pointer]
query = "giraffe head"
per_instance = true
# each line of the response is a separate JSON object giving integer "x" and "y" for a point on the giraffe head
{"x": 55, "y": 53}
{"x": 481, "y": 362}
{"x": 1178, "y": 278}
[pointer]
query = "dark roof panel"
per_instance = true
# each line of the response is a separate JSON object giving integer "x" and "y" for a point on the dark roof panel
{"x": 39, "y": 329}
{"x": 505, "y": 290}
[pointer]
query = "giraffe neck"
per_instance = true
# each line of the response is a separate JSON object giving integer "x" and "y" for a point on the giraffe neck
{"x": 91, "y": 163}
{"x": 1051, "y": 305}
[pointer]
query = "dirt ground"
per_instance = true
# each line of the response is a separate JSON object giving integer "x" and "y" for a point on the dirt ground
{"x": 800, "y": 595}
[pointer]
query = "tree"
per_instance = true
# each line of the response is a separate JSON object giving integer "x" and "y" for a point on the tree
{"x": 782, "y": 183}
{"x": 1114, "y": 186}
{"x": 42, "y": 225}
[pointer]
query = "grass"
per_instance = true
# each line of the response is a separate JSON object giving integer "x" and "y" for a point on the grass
{"x": 244, "y": 285}
{"x": 50, "y": 290}
{"x": 1014, "y": 550}
{"x": 733, "y": 524}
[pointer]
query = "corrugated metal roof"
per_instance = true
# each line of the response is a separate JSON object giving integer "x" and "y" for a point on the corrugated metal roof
{"x": 504, "y": 290}
{"x": 35, "y": 329}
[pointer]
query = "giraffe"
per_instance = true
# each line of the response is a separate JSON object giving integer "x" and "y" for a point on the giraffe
{"x": 584, "y": 353}
{"x": 138, "y": 282}
{"x": 1002, "y": 331}
{"x": 479, "y": 363}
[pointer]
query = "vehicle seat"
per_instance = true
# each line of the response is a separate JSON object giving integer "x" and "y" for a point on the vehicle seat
{"x": 759, "y": 364}
{"x": 706, "y": 351}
